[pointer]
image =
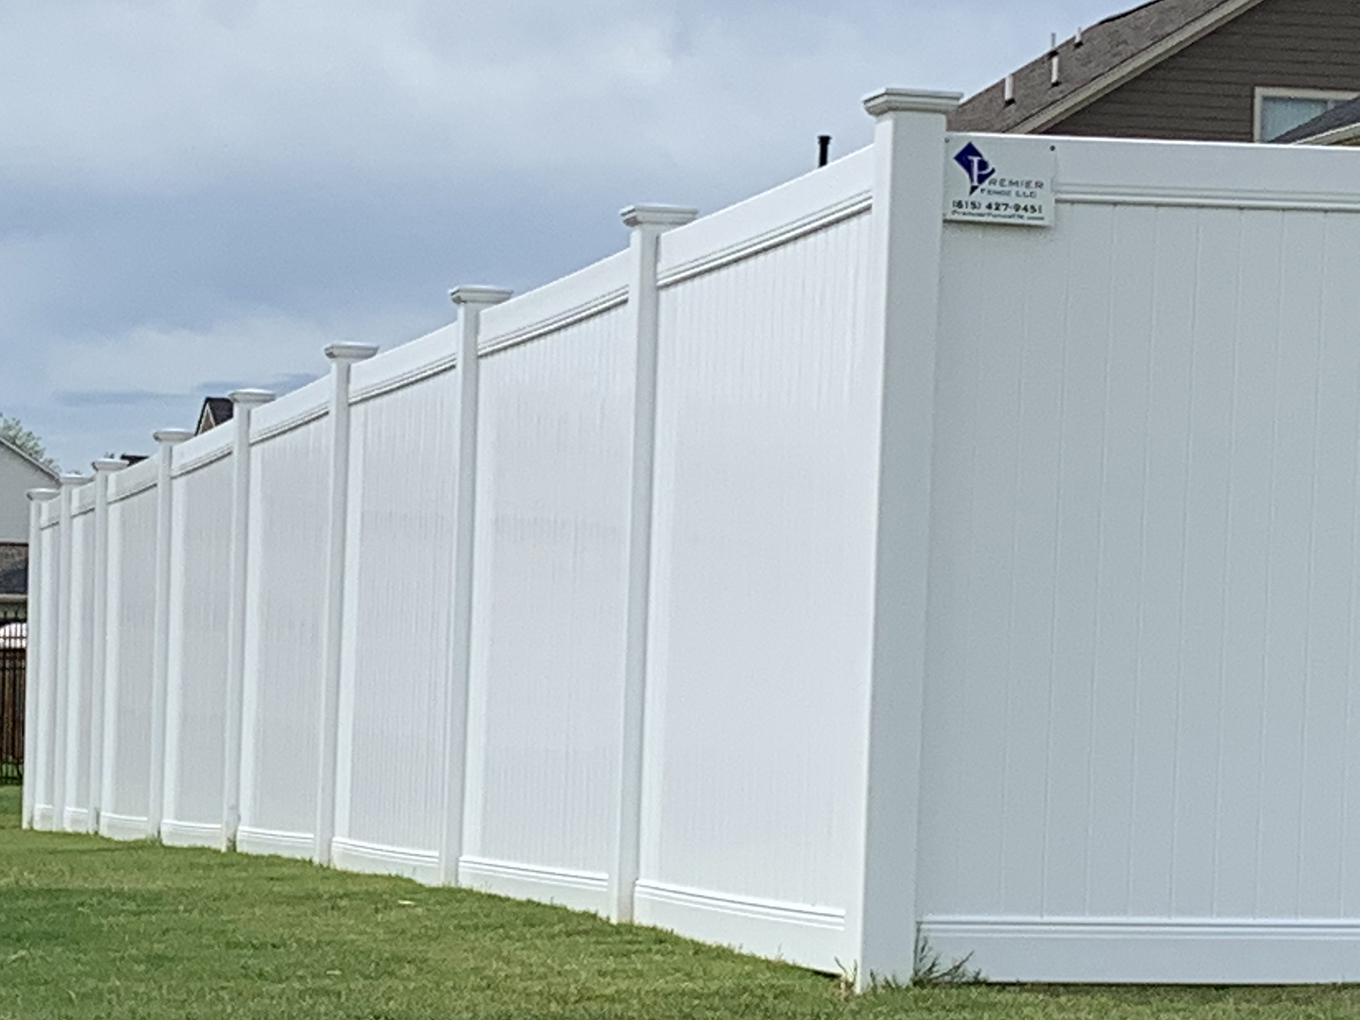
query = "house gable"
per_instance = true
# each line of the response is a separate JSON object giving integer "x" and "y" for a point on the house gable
{"x": 1209, "y": 90}
{"x": 1100, "y": 59}
{"x": 1179, "y": 69}
{"x": 215, "y": 411}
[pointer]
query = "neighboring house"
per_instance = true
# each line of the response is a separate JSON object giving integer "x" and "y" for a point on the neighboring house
{"x": 216, "y": 411}
{"x": 18, "y": 473}
{"x": 1214, "y": 70}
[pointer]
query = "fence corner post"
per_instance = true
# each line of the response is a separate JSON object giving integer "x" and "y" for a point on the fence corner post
{"x": 908, "y": 227}
{"x": 471, "y": 300}
{"x": 100, "y": 625}
{"x": 32, "y": 636}
{"x": 167, "y": 440}
{"x": 342, "y": 358}
{"x": 646, "y": 223}
{"x": 243, "y": 403}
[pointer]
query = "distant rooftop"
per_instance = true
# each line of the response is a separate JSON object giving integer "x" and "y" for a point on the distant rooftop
{"x": 1116, "y": 47}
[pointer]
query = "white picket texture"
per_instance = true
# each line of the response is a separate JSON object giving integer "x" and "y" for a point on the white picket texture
{"x": 1024, "y": 626}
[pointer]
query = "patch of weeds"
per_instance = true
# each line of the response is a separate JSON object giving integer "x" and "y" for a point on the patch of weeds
{"x": 847, "y": 978}
{"x": 929, "y": 968}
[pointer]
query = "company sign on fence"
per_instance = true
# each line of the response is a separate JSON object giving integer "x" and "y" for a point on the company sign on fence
{"x": 1000, "y": 180}
{"x": 816, "y": 576}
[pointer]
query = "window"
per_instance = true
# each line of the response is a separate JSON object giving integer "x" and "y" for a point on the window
{"x": 1281, "y": 110}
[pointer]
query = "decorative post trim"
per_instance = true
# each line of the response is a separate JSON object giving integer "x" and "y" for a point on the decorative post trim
{"x": 167, "y": 439}
{"x": 646, "y": 223}
{"x": 59, "y": 724}
{"x": 342, "y": 358}
{"x": 32, "y": 664}
{"x": 243, "y": 402}
{"x": 908, "y": 204}
{"x": 100, "y": 630}
{"x": 471, "y": 301}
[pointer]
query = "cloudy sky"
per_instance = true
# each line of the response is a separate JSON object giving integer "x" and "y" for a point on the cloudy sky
{"x": 197, "y": 195}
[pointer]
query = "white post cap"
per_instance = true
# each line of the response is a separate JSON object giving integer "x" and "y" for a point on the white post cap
{"x": 250, "y": 398}
{"x": 645, "y": 215}
{"x": 169, "y": 437}
{"x": 350, "y": 352}
{"x": 73, "y": 479}
{"x": 105, "y": 464}
{"x": 42, "y": 495}
{"x": 478, "y": 294}
{"x": 911, "y": 101}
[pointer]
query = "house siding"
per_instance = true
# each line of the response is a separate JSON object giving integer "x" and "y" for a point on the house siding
{"x": 1207, "y": 90}
{"x": 17, "y": 476}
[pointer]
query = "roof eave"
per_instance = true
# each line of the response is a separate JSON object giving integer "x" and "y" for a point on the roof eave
{"x": 1134, "y": 66}
{"x": 1346, "y": 134}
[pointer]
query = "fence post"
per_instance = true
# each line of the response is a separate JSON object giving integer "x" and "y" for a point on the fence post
{"x": 58, "y": 724}
{"x": 99, "y": 647}
{"x": 908, "y": 215}
{"x": 342, "y": 358}
{"x": 32, "y": 630}
{"x": 471, "y": 301}
{"x": 243, "y": 403}
{"x": 646, "y": 223}
{"x": 167, "y": 439}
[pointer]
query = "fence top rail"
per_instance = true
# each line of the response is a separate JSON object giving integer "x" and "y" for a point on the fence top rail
{"x": 1206, "y": 174}
{"x": 405, "y": 364}
{"x": 556, "y": 305}
{"x": 291, "y": 410}
{"x": 775, "y": 217}
{"x": 82, "y": 500}
{"x": 201, "y": 450}
{"x": 134, "y": 479}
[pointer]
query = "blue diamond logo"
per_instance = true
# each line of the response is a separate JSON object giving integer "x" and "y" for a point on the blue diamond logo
{"x": 975, "y": 165}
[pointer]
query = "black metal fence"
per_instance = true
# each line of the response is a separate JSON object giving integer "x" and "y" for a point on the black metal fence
{"x": 13, "y": 645}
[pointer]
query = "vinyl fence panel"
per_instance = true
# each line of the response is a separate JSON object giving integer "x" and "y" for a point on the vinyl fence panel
{"x": 45, "y": 675}
{"x": 403, "y": 473}
{"x": 285, "y": 584}
{"x": 80, "y": 640}
{"x": 199, "y": 602}
{"x": 1146, "y": 558}
{"x": 764, "y": 532}
{"x": 131, "y": 610}
{"x": 550, "y": 585}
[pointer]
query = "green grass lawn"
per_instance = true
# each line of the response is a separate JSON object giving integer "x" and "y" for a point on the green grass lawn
{"x": 90, "y": 928}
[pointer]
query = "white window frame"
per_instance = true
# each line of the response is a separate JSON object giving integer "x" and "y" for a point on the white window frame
{"x": 1264, "y": 92}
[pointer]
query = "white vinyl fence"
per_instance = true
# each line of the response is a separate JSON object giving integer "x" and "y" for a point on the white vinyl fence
{"x": 817, "y": 577}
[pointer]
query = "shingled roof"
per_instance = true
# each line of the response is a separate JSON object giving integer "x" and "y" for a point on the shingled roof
{"x": 1330, "y": 126}
{"x": 216, "y": 411}
{"x": 1109, "y": 53}
{"x": 14, "y": 578}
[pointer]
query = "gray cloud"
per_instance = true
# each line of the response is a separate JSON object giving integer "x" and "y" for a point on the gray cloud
{"x": 197, "y": 191}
